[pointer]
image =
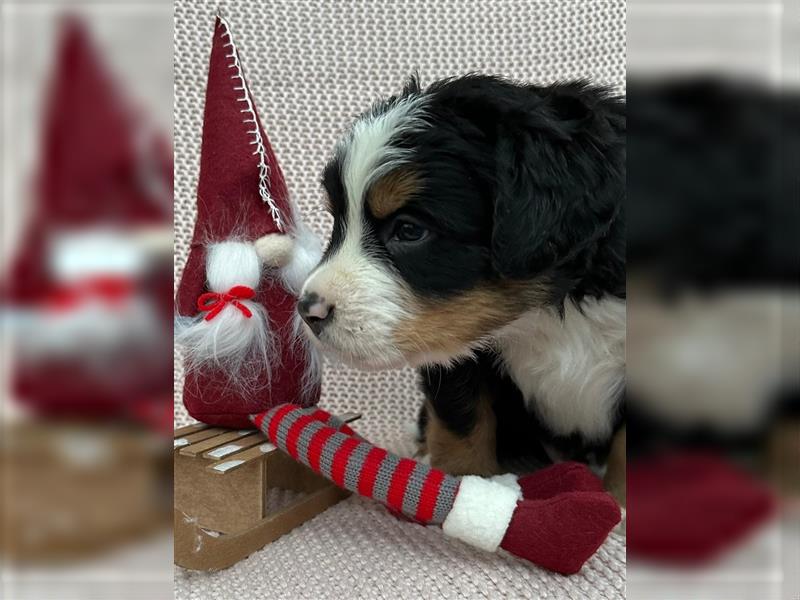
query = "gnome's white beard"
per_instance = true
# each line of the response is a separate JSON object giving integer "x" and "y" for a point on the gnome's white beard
{"x": 242, "y": 347}
{"x": 93, "y": 329}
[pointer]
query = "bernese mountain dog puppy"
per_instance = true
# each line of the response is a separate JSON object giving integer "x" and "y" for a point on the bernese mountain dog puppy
{"x": 479, "y": 235}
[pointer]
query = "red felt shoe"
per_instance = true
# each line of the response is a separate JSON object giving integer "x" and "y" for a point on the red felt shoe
{"x": 688, "y": 508}
{"x": 557, "y": 479}
{"x": 561, "y": 533}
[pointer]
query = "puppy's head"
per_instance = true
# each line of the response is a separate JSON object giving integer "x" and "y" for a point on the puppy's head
{"x": 457, "y": 208}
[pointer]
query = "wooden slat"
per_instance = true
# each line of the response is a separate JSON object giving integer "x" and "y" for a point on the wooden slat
{"x": 236, "y": 461}
{"x": 224, "y": 437}
{"x": 200, "y": 439}
{"x": 189, "y": 429}
{"x": 225, "y": 450}
{"x": 188, "y": 440}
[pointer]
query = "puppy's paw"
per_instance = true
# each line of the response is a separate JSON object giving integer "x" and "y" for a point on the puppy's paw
{"x": 275, "y": 249}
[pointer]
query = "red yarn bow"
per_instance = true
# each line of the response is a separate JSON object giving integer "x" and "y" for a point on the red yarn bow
{"x": 111, "y": 289}
{"x": 214, "y": 302}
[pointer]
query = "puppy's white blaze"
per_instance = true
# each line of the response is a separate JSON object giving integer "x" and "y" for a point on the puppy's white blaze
{"x": 370, "y": 301}
{"x": 232, "y": 342}
{"x": 570, "y": 370}
{"x": 368, "y": 154}
{"x": 367, "y": 149}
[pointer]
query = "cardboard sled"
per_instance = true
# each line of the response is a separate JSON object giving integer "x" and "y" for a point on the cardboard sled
{"x": 235, "y": 493}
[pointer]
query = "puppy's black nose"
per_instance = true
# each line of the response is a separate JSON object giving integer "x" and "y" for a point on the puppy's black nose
{"x": 315, "y": 311}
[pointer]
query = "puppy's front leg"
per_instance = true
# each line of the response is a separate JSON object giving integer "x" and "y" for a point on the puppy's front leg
{"x": 466, "y": 452}
{"x": 615, "y": 480}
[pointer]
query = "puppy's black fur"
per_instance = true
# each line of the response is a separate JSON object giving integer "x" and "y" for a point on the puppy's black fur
{"x": 519, "y": 183}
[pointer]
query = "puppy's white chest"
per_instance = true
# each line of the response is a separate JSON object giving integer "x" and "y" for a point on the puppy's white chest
{"x": 570, "y": 370}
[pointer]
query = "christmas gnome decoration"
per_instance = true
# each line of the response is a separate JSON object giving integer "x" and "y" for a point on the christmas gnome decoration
{"x": 85, "y": 289}
{"x": 250, "y": 253}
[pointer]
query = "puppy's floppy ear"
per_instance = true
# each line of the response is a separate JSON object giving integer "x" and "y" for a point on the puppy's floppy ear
{"x": 559, "y": 181}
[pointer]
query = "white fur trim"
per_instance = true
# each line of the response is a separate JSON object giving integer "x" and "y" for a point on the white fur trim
{"x": 510, "y": 481}
{"x": 306, "y": 254}
{"x": 481, "y": 512}
{"x": 232, "y": 263}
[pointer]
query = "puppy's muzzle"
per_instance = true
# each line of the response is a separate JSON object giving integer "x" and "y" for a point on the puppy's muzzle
{"x": 315, "y": 311}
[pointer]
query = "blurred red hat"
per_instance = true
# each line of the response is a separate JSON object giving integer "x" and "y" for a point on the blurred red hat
{"x": 100, "y": 164}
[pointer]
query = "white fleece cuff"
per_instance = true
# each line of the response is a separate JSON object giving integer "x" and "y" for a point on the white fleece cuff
{"x": 481, "y": 512}
{"x": 510, "y": 481}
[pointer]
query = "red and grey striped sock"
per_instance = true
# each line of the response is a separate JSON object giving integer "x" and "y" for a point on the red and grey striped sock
{"x": 541, "y": 518}
{"x": 330, "y": 448}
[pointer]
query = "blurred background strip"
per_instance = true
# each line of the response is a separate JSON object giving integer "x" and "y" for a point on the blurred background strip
{"x": 86, "y": 300}
{"x": 713, "y": 300}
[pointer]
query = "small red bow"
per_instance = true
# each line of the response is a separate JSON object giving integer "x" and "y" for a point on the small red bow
{"x": 112, "y": 290}
{"x": 214, "y": 302}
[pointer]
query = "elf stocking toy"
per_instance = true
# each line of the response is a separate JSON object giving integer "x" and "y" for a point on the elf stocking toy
{"x": 249, "y": 255}
{"x": 556, "y": 518}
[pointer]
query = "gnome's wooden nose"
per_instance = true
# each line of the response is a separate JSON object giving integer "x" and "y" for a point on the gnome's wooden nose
{"x": 316, "y": 312}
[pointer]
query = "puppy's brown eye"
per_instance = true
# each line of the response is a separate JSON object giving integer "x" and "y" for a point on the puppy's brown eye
{"x": 406, "y": 231}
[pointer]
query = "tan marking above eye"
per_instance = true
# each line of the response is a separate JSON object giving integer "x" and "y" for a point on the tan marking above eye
{"x": 392, "y": 191}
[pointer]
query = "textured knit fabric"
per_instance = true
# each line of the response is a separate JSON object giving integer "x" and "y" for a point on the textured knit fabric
{"x": 317, "y": 64}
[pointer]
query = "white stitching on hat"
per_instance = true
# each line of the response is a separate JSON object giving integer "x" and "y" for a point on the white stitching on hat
{"x": 258, "y": 142}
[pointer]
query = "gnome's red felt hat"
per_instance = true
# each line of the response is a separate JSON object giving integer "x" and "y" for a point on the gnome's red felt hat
{"x": 241, "y": 196}
{"x": 241, "y": 192}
